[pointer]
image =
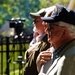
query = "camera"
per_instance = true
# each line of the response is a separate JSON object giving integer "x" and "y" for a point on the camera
{"x": 20, "y": 32}
{"x": 16, "y": 22}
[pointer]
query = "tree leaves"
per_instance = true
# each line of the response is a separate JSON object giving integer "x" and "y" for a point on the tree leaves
{"x": 22, "y": 8}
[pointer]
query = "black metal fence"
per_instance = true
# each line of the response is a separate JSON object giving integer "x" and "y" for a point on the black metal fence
{"x": 12, "y": 55}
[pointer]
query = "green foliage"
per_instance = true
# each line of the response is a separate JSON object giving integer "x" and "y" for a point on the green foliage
{"x": 43, "y": 3}
{"x": 61, "y": 2}
{"x": 17, "y": 8}
{"x": 22, "y": 8}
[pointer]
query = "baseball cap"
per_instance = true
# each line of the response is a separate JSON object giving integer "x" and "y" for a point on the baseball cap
{"x": 39, "y": 13}
{"x": 61, "y": 13}
{"x": 43, "y": 12}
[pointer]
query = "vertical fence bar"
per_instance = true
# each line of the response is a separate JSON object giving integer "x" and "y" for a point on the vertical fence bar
{"x": 20, "y": 57}
{"x": 7, "y": 55}
{"x": 1, "y": 55}
{"x": 6, "y": 44}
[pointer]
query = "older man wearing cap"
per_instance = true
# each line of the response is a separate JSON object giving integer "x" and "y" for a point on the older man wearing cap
{"x": 61, "y": 32}
{"x": 30, "y": 66}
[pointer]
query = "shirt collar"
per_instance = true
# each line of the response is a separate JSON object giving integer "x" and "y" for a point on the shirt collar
{"x": 57, "y": 52}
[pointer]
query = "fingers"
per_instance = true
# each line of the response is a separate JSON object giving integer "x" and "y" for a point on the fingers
{"x": 43, "y": 57}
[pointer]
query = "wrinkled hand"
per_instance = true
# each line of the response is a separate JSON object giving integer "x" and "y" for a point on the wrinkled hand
{"x": 43, "y": 57}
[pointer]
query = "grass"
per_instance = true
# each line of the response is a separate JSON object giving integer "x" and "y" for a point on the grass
{"x": 13, "y": 57}
{"x": 16, "y": 72}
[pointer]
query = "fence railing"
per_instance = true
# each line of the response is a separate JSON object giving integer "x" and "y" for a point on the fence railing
{"x": 12, "y": 55}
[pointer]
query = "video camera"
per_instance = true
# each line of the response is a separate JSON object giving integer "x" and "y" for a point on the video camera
{"x": 20, "y": 32}
{"x": 17, "y": 24}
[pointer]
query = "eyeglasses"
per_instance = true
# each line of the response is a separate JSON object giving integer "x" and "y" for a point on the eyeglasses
{"x": 51, "y": 26}
{"x": 48, "y": 26}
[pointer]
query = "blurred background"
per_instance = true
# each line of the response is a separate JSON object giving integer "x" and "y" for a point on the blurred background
{"x": 22, "y": 8}
{"x": 14, "y": 44}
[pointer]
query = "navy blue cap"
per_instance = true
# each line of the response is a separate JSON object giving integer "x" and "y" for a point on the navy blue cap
{"x": 60, "y": 13}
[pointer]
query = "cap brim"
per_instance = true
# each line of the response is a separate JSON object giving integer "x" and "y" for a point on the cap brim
{"x": 48, "y": 19}
{"x": 34, "y": 15}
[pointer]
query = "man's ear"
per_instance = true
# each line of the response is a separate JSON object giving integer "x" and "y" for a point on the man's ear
{"x": 64, "y": 30}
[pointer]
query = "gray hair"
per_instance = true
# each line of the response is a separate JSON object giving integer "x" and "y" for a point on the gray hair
{"x": 70, "y": 27}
